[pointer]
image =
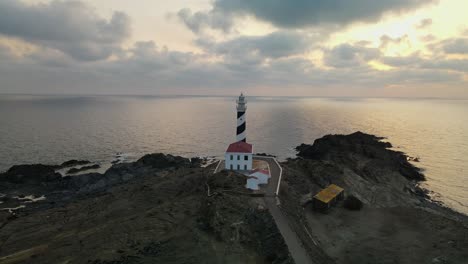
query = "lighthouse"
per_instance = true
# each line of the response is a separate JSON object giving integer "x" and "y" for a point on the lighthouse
{"x": 239, "y": 155}
{"x": 241, "y": 134}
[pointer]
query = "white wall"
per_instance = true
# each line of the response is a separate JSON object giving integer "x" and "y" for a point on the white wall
{"x": 261, "y": 178}
{"x": 238, "y": 162}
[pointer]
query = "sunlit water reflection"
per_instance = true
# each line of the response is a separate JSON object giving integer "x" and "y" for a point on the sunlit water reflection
{"x": 52, "y": 129}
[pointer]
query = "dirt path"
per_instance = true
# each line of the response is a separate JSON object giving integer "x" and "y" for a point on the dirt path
{"x": 295, "y": 247}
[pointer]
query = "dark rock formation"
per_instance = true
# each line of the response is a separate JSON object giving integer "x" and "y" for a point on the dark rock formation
{"x": 265, "y": 155}
{"x": 161, "y": 161}
{"x": 72, "y": 163}
{"x": 349, "y": 148}
{"x": 41, "y": 180}
{"x": 84, "y": 168}
{"x": 396, "y": 216}
{"x": 197, "y": 161}
{"x": 30, "y": 174}
{"x": 154, "y": 218}
{"x": 352, "y": 203}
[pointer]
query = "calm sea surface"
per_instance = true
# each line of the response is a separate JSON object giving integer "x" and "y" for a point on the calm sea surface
{"x": 52, "y": 129}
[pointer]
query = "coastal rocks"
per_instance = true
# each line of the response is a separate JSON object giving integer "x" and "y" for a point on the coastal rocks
{"x": 386, "y": 215}
{"x": 198, "y": 161}
{"x": 41, "y": 180}
{"x": 79, "y": 182}
{"x": 73, "y": 162}
{"x": 331, "y": 144}
{"x": 84, "y": 168}
{"x": 265, "y": 155}
{"x": 413, "y": 159}
{"x": 373, "y": 153}
{"x": 30, "y": 174}
{"x": 362, "y": 164}
{"x": 161, "y": 161}
{"x": 150, "y": 219}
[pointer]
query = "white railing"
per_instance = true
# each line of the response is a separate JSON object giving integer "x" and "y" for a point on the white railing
{"x": 217, "y": 166}
{"x": 280, "y": 175}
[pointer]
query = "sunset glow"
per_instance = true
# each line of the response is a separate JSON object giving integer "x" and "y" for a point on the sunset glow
{"x": 221, "y": 47}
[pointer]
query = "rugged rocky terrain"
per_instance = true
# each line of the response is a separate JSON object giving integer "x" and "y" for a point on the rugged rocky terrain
{"x": 168, "y": 209}
{"x": 159, "y": 209}
{"x": 398, "y": 223}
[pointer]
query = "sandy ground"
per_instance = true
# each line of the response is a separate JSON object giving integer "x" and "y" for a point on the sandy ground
{"x": 260, "y": 165}
{"x": 389, "y": 235}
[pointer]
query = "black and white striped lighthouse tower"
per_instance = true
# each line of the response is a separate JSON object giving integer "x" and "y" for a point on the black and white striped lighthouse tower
{"x": 241, "y": 122}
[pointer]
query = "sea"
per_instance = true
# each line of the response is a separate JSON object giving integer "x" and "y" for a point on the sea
{"x": 55, "y": 128}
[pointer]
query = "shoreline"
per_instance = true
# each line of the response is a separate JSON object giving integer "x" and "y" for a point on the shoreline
{"x": 174, "y": 189}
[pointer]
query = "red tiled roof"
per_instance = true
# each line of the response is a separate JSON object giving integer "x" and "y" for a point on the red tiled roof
{"x": 240, "y": 147}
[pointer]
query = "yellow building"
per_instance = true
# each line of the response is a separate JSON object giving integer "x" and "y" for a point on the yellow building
{"x": 328, "y": 197}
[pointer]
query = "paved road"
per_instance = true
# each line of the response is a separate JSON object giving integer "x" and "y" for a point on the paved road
{"x": 295, "y": 247}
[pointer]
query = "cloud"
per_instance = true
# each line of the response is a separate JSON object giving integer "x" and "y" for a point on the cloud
{"x": 146, "y": 57}
{"x": 69, "y": 26}
{"x": 258, "y": 48}
{"x": 298, "y": 13}
{"x": 276, "y": 61}
{"x": 147, "y": 68}
{"x": 347, "y": 55}
{"x": 428, "y": 38}
{"x": 455, "y": 46}
{"x": 5, "y": 52}
{"x": 198, "y": 21}
{"x": 425, "y": 23}
{"x": 415, "y": 62}
{"x": 385, "y": 41}
{"x": 459, "y": 65}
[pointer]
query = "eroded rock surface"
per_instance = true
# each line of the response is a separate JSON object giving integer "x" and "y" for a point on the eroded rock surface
{"x": 398, "y": 223}
{"x": 160, "y": 209}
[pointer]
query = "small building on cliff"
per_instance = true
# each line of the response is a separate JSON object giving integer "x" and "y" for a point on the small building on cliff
{"x": 327, "y": 197}
{"x": 239, "y": 156}
{"x": 256, "y": 178}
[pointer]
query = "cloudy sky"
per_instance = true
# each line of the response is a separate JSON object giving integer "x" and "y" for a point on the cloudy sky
{"x": 401, "y": 48}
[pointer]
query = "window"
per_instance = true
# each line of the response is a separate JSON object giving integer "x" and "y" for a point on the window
{"x": 238, "y": 157}
{"x": 238, "y": 166}
{"x": 245, "y": 167}
{"x": 232, "y": 167}
{"x": 232, "y": 157}
{"x": 246, "y": 157}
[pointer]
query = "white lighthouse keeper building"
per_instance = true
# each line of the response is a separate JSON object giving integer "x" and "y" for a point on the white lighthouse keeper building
{"x": 239, "y": 155}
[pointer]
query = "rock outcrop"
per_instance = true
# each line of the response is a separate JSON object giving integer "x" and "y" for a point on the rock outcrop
{"x": 30, "y": 174}
{"x": 160, "y": 215}
{"x": 84, "y": 168}
{"x": 346, "y": 149}
{"x": 392, "y": 219}
{"x": 72, "y": 163}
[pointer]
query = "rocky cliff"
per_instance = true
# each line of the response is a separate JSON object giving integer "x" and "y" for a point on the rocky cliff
{"x": 394, "y": 220}
{"x": 159, "y": 209}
